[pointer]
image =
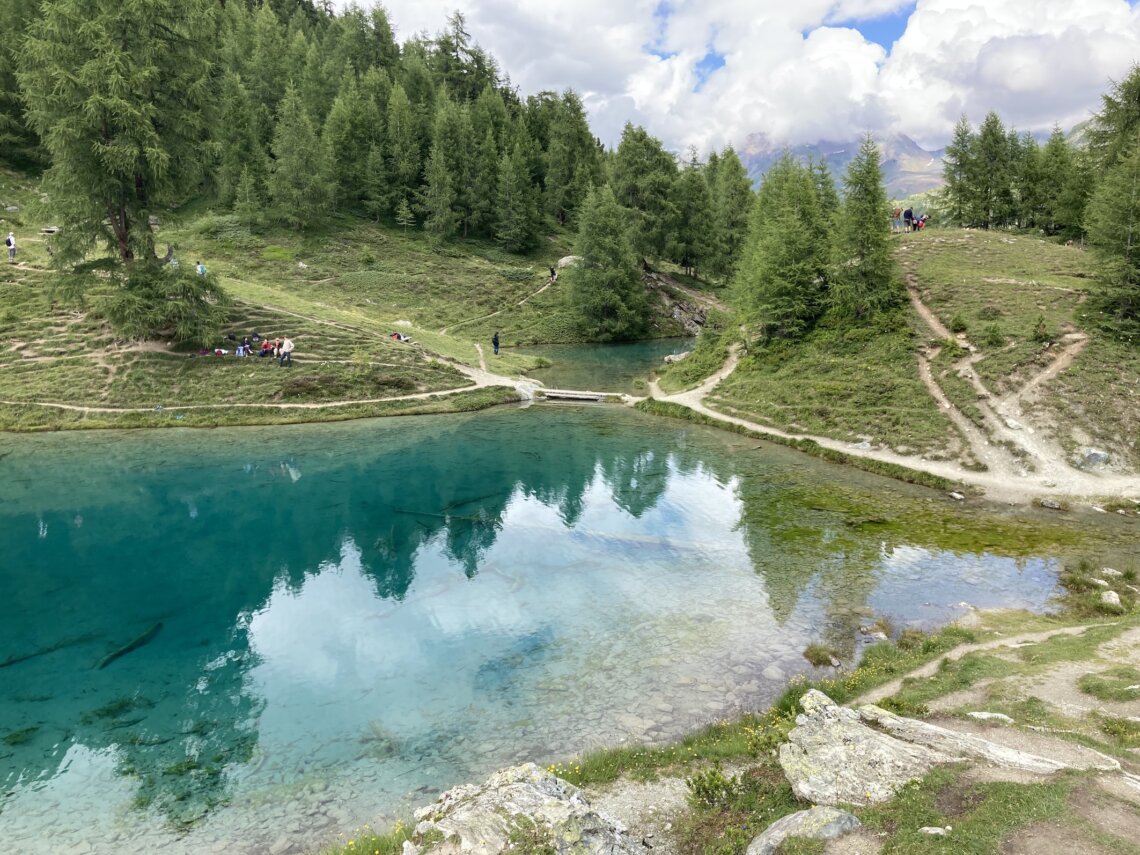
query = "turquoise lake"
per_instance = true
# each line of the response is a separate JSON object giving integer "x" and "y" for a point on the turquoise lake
{"x": 227, "y": 640}
{"x": 620, "y": 368}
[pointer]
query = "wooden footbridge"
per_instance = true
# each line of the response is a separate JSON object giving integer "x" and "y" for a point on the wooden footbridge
{"x": 573, "y": 395}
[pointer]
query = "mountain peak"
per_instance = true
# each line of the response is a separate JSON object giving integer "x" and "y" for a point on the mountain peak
{"x": 908, "y": 168}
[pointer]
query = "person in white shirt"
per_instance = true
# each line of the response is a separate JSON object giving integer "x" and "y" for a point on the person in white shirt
{"x": 286, "y": 352}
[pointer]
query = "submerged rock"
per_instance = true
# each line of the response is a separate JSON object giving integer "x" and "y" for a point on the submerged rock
{"x": 518, "y": 807}
{"x": 821, "y": 823}
{"x": 832, "y": 758}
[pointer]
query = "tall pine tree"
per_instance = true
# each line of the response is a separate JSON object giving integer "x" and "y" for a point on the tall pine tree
{"x": 867, "y": 279}
{"x": 779, "y": 288}
{"x": 733, "y": 200}
{"x": 437, "y": 198}
{"x": 692, "y": 241}
{"x": 301, "y": 185}
{"x": 122, "y": 95}
{"x": 1113, "y": 220}
{"x": 401, "y": 147}
{"x": 958, "y": 173}
{"x": 643, "y": 174}
{"x": 516, "y": 224}
{"x": 604, "y": 287}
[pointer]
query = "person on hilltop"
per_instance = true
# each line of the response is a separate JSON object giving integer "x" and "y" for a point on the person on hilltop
{"x": 11, "y": 244}
{"x": 495, "y": 343}
{"x": 286, "y": 357}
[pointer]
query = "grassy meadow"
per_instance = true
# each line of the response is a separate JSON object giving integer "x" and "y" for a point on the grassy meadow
{"x": 338, "y": 292}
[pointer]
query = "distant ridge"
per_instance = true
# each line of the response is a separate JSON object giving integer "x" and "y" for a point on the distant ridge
{"x": 907, "y": 167}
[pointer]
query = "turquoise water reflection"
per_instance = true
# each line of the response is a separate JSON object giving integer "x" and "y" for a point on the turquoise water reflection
{"x": 333, "y": 621}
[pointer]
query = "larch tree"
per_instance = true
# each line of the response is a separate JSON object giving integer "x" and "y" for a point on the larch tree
{"x": 643, "y": 174}
{"x": 733, "y": 199}
{"x": 866, "y": 279}
{"x": 350, "y": 133}
{"x": 300, "y": 186}
{"x": 692, "y": 240}
{"x": 958, "y": 173}
{"x": 484, "y": 184}
{"x": 778, "y": 285}
{"x": 516, "y": 225}
{"x": 604, "y": 287}
{"x": 1113, "y": 223}
{"x": 122, "y": 93}
{"x": 401, "y": 147}
{"x": 1115, "y": 129}
{"x": 993, "y": 179}
{"x": 437, "y": 198}
{"x": 238, "y": 140}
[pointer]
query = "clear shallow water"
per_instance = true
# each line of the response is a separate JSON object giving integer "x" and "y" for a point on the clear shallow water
{"x": 614, "y": 368}
{"x": 331, "y": 623}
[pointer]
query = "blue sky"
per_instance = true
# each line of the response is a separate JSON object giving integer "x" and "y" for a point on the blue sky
{"x": 884, "y": 30}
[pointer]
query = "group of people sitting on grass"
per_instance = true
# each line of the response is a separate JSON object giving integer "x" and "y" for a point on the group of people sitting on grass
{"x": 280, "y": 349}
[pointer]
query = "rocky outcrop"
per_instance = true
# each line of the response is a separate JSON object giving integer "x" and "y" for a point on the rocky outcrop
{"x": 831, "y": 757}
{"x": 965, "y": 745}
{"x": 520, "y": 807}
{"x": 821, "y": 823}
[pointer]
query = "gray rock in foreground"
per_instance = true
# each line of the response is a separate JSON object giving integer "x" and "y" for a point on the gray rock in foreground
{"x": 822, "y": 823}
{"x": 527, "y": 804}
{"x": 832, "y": 758}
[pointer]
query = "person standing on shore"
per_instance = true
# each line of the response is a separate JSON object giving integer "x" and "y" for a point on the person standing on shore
{"x": 495, "y": 343}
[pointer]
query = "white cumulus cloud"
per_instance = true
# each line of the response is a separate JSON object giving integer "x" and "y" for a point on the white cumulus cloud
{"x": 802, "y": 71}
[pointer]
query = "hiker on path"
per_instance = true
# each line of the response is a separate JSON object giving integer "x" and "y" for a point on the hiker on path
{"x": 11, "y": 244}
{"x": 553, "y": 274}
{"x": 908, "y": 220}
{"x": 286, "y": 352}
{"x": 495, "y": 343}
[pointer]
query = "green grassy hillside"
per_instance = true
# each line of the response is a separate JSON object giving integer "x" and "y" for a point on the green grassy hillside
{"x": 339, "y": 292}
{"x": 1017, "y": 340}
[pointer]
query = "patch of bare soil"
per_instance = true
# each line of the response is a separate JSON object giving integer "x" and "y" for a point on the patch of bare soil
{"x": 861, "y": 842}
{"x": 1059, "y": 688}
{"x": 959, "y": 799}
{"x": 931, "y": 668}
{"x": 1121, "y": 787}
{"x": 974, "y": 697}
{"x": 1051, "y": 838}
{"x": 648, "y": 810}
{"x": 1108, "y": 814}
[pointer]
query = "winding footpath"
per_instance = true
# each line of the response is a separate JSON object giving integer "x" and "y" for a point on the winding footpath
{"x": 1006, "y": 426}
{"x": 1007, "y": 442}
